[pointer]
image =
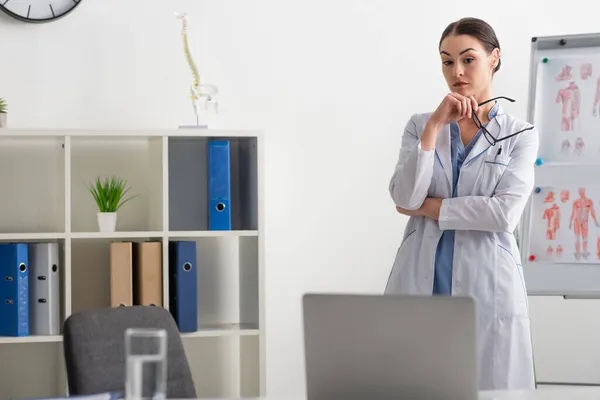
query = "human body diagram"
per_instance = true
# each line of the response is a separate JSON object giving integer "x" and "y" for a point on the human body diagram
{"x": 551, "y": 239}
{"x": 577, "y": 84}
{"x": 559, "y": 249}
{"x": 585, "y": 70}
{"x": 565, "y": 147}
{"x": 552, "y": 216}
{"x": 582, "y": 210}
{"x": 570, "y": 98}
{"x": 578, "y": 147}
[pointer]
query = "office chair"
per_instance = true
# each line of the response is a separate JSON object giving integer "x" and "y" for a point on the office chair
{"x": 94, "y": 350}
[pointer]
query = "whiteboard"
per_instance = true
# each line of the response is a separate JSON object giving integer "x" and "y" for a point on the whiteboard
{"x": 559, "y": 235}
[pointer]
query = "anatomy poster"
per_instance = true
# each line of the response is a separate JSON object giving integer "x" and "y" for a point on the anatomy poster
{"x": 566, "y": 224}
{"x": 567, "y": 105}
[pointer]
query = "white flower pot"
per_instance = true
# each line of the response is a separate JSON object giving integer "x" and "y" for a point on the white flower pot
{"x": 107, "y": 221}
{"x": 3, "y": 120}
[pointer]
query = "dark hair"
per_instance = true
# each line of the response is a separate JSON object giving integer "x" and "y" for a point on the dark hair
{"x": 477, "y": 28}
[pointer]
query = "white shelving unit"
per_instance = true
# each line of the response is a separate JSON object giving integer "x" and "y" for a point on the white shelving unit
{"x": 45, "y": 198}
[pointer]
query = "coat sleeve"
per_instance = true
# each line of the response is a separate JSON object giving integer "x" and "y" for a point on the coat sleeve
{"x": 502, "y": 211}
{"x": 412, "y": 176}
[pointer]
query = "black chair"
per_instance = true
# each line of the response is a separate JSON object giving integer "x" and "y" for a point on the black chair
{"x": 94, "y": 350}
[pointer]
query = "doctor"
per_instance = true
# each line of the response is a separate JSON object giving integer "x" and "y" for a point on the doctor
{"x": 464, "y": 175}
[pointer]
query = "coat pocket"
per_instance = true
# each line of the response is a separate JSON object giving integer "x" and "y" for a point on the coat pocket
{"x": 401, "y": 274}
{"x": 404, "y": 246}
{"x": 510, "y": 289}
{"x": 491, "y": 171}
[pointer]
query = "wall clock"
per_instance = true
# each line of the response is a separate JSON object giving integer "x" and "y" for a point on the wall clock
{"x": 38, "y": 10}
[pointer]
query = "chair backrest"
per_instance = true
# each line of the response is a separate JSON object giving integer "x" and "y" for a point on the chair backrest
{"x": 94, "y": 350}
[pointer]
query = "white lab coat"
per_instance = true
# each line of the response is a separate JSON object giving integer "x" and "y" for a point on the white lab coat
{"x": 492, "y": 192}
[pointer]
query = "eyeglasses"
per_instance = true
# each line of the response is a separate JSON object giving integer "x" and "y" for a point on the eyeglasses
{"x": 488, "y": 136}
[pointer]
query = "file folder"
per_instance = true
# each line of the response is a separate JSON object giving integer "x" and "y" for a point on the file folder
{"x": 183, "y": 285}
{"x": 121, "y": 271}
{"x": 147, "y": 273}
{"x": 14, "y": 289}
{"x": 44, "y": 289}
{"x": 219, "y": 185}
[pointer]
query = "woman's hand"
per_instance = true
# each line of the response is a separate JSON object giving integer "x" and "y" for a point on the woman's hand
{"x": 430, "y": 208}
{"x": 454, "y": 107}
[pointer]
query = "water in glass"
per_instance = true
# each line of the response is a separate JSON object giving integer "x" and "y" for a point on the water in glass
{"x": 146, "y": 364}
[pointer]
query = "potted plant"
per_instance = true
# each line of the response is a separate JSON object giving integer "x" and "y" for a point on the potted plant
{"x": 3, "y": 110}
{"x": 109, "y": 195}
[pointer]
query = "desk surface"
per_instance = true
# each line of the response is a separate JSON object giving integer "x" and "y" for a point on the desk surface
{"x": 554, "y": 393}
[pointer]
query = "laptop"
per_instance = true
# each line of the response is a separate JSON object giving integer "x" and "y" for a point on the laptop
{"x": 379, "y": 347}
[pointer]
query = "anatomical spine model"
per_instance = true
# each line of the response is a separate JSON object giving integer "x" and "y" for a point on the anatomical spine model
{"x": 583, "y": 208}
{"x": 203, "y": 96}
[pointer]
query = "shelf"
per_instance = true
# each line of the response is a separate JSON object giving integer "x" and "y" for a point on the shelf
{"x": 116, "y": 235}
{"x": 250, "y": 376}
{"x": 201, "y": 234}
{"x": 31, "y": 236}
{"x": 215, "y": 330}
{"x": 31, "y": 339}
{"x": 215, "y": 363}
{"x": 33, "y": 179}
{"x": 35, "y": 371}
{"x": 47, "y": 173}
{"x": 227, "y": 280}
{"x": 134, "y": 235}
{"x": 73, "y": 132}
{"x": 90, "y": 274}
{"x": 136, "y": 160}
{"x": 188, "y": 183}
{"x": 218, "y": 330}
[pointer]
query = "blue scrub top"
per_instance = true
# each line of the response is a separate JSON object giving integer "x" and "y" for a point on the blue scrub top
{"x": 444, "y": 256}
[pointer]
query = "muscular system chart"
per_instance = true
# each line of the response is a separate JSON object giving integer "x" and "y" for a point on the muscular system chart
{"x": 566, "y": 224}
{"x": 559, "y": 233}
{"x": 569, "y": 103}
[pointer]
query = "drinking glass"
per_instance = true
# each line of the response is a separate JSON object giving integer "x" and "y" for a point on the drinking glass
{"x": 146, "y": 358}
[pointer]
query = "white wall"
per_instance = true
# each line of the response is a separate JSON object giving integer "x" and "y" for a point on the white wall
{"x": 331, "y": 81}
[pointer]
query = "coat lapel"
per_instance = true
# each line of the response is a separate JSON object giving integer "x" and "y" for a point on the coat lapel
{"x": 442, "y": 151}
{"x": 482, "y": 145}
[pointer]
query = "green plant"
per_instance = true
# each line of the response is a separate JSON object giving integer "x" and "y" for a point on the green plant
{"x": 109, "y": 193}
{"x": 3, "y": 107}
